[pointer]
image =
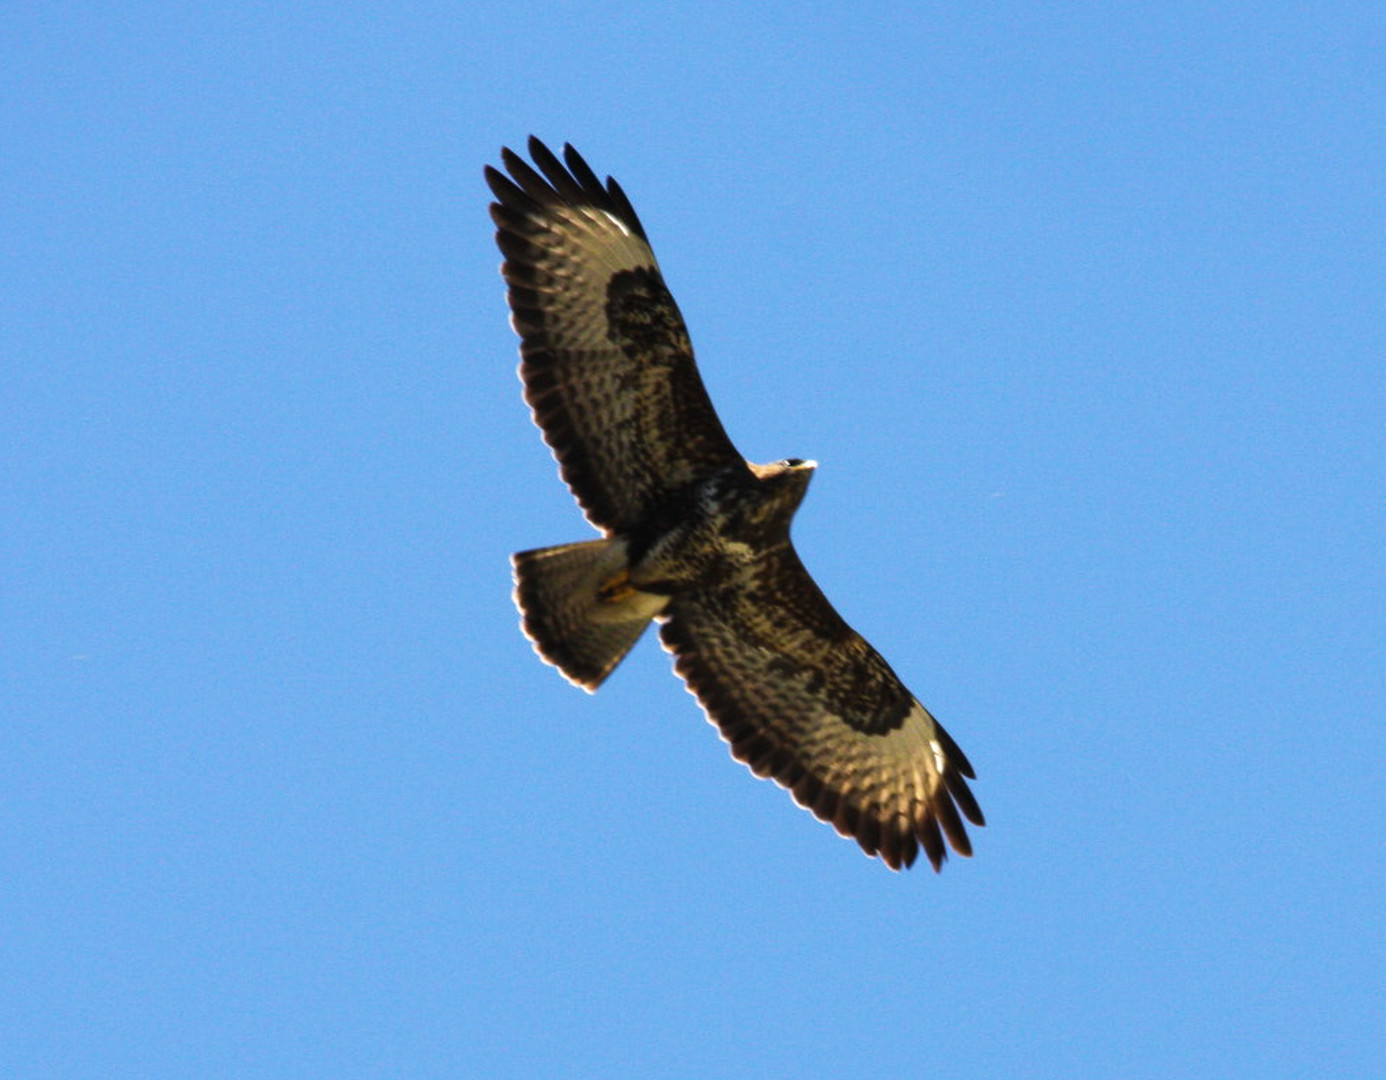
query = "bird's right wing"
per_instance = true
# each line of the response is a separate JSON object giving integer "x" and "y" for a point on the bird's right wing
{"x": 606, "y": 361}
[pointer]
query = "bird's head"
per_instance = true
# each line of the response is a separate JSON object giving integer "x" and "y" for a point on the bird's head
{"x": 784, "y": 482}
{"x": 791, "y": 471}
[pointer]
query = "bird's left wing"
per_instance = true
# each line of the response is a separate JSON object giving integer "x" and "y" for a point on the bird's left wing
{"x": 804, "y": 699}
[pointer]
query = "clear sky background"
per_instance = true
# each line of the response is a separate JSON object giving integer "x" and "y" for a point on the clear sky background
{"x": 1080, "y": 307}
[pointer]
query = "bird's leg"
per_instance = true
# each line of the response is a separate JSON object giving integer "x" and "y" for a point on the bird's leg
{"x": 616, "y": 588}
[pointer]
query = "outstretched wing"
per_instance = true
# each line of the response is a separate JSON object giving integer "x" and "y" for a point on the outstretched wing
{"x": 606, "y": 362}
{"x": 804, "y": 699}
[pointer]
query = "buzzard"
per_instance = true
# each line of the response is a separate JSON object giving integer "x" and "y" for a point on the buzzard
{"x": 695, "y": 537}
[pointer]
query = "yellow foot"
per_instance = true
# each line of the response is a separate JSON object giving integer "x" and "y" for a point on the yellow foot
{"x": 616, "y": 589}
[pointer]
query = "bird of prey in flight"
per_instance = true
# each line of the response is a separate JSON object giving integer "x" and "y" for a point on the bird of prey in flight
{"x": 695, "y": 537}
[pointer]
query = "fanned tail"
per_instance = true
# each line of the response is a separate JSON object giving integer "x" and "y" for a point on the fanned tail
{"x": 579, "y": 609}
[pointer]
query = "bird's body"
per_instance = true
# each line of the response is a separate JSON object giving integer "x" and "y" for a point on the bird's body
{"x": 695, "y": 536}
{"x": 712, "y": 531}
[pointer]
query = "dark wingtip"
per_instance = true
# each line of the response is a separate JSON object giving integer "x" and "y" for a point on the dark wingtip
{"x": 550, "y": 179}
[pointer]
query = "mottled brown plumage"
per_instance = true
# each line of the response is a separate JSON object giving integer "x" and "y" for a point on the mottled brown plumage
{"x": 694, "y": 536}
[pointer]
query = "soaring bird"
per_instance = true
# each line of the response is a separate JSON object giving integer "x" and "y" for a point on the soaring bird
{"x": 694, "y": 536}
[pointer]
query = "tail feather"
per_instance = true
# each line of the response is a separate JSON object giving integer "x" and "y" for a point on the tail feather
{"x": 576, "y": 620}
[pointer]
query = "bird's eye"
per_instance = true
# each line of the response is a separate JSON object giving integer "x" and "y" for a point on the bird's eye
{"x": 793, "y": 462}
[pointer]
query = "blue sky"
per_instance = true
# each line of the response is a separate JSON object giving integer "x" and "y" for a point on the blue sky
{"x": 1079, "y": 308}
